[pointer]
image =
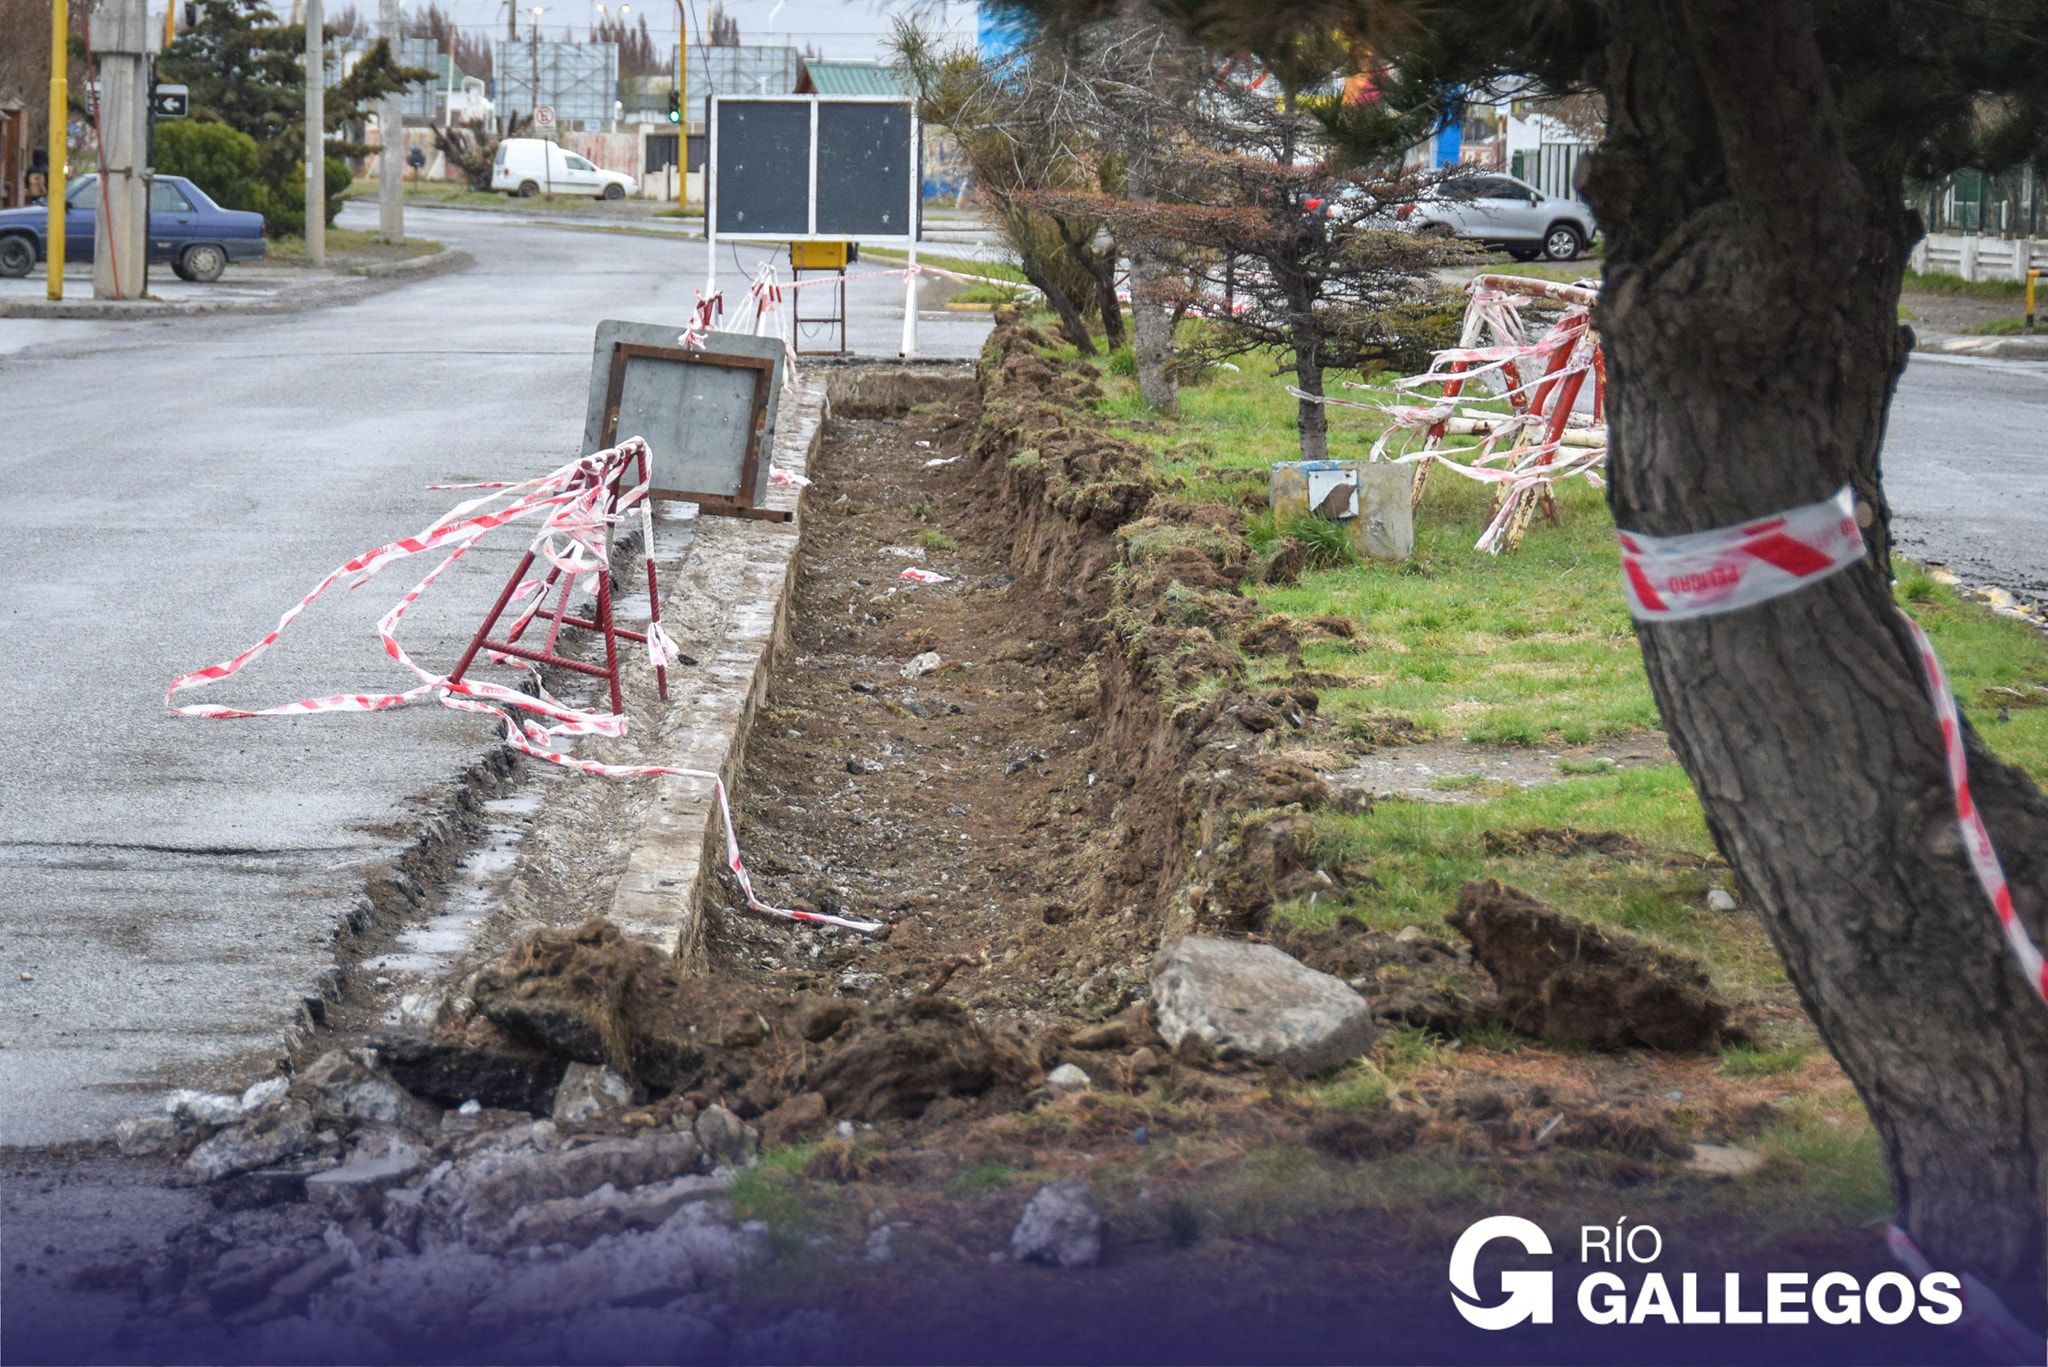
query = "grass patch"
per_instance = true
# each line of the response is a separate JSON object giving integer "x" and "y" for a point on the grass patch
{"x": 1935, "y": 282}
{"x": 1743, "y": 1060}
{"x": 982, "y": 1177}
{"x": 1999, "y": 327}
{"x": 1361, "y": 1087}
{"x": 937, "y": 541}
{"x": 353, "y": 247}
{"x": 959, "y": 265}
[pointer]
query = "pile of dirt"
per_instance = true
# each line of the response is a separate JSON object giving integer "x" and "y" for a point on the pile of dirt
{"x": 591, "y": 995}
{"x": 1567, "y": 979}
{"x": 1560, "y": 842}
{"x": 1412, "y": 978}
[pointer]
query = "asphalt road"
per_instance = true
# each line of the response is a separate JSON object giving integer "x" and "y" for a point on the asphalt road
{"x": 1966, "y": 469}
{"x": 168, "y": 886}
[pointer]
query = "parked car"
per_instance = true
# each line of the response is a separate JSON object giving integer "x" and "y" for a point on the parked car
{"x": 526, "y": 166}
{"x": 188, "y": 231}
{"x": 1501, "y": 211}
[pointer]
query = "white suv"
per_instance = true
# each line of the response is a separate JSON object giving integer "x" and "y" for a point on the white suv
{"x": 1501, "y": 211}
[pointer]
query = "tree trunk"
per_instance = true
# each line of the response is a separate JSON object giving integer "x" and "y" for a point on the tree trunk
{"x": 1072, "y": 325}
{"x": 1152, "y": 318}
{"x": 1153, "y": 311}
{"x": 1101, "y": 268}
{"x": 1310, "y": 418}
{"x": 1749, "y": 315}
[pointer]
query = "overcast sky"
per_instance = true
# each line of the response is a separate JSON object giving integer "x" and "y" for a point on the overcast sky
{"x": 837, "y": 28}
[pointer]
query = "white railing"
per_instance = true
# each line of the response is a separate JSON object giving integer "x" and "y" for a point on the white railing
{"x": 1980, "y": 258}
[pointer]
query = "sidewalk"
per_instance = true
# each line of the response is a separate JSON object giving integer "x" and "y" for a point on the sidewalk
{"x": 259, "y": 287}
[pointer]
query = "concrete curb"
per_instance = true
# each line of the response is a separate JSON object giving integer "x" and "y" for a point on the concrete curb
{"x": 680, "y": 840}
{"x": 359, "y": 283}
{"x": 2000, "y": 348}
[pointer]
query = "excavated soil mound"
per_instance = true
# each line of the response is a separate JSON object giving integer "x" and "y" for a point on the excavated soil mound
{"x": 898, "y": 1059}
{"x": 1560, "y": 842}
{"x": 1412, "y": 978}
{"x": 591, "y": 995}
{"x": 1568, "y": 979}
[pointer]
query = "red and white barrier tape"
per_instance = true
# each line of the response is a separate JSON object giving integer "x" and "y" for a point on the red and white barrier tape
{"x": 1727, "y": 569}
{"x": 574, "y": 536}
{"x": 1985, "y": 1322}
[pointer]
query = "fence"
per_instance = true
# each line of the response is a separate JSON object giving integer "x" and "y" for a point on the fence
{"x": 2007, "y": 205}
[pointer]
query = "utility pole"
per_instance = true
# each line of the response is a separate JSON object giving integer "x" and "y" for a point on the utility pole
{"x": 391, "y": 118}
{"x": 316, "y": 133}
{"x": 121, "y": 228}
{"x": 60, "y": 139}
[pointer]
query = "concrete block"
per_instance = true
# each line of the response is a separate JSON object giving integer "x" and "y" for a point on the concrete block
{"x": 1371, "y": 499}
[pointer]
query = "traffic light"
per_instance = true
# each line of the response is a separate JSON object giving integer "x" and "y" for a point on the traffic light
{"x": 675, "y": 107}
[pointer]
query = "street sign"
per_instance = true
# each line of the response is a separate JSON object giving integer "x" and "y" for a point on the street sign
{"x": 169, "y": 102}
{"x": 544, "y": 117}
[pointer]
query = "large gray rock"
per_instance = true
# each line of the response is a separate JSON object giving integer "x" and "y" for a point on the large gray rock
{"x": 580, "y": 1220}
{"x": 588, "y": 1091}
{"x": 356, "y": 1188}
{"x": 1059, "y": 1225}
{"x": 486, "y": 1191}
{"x": 270, "y": 1136}
{"x": 1251, "y": 1001}
{"x": 349, "y": 1084}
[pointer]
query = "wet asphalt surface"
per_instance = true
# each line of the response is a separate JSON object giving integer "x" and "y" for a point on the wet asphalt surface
{"x": 1966, "y": 470}
{"x": 169, "y": 886}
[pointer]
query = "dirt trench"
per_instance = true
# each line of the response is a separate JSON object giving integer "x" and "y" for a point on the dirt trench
{"x": 931, "y": 755}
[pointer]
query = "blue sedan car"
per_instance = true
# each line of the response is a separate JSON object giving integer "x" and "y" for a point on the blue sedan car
{"x": 195, "y": 236}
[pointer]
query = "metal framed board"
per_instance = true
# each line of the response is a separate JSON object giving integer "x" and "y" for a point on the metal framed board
{"x": 792, "y": 168}
{"x": 708, "y": 413}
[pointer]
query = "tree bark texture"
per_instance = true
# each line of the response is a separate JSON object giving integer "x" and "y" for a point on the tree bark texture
{"x": 1153, "y": 310}
{"x": 1749, "y": 316}
{"x": 1310, "y": 418}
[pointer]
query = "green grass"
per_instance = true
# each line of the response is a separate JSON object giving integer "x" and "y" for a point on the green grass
{"x": 937, "y": 541}
{"x": 994, "y": 270}
{"x": 353, "y": 246}
{"x": 1999, "y": 327}
{"x": 982, "y": 1177}
{"x": 1743, "y": 1060}
{"x": 1934, "y": 282}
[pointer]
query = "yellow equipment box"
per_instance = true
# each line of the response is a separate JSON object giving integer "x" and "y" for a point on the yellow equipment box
{"x": 822, "y": 256}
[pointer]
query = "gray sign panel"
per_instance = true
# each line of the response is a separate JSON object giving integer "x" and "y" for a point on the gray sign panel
{"x": 764, "y": 156}
{"x": 865, "y": 158}
{"x": 814, "y": 167}
{"x": 708, "y": 414}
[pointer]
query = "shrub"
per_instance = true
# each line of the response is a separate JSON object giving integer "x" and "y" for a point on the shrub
{"x": 221, "y": 161}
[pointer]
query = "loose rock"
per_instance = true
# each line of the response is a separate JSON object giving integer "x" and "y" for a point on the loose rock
{"x": 588, "y": 1091}
{"x": 725, "y": 1137}
{"x": 350, "y": 1084}
{"x": 265, "y": 1138}
{"x": 1059, "y": 1225}
{"x": 1068, "y": 1078}
{"x": 1251, "y": 1001}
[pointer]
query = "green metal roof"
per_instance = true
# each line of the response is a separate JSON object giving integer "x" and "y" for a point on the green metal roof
{"x": 852, "y": 78}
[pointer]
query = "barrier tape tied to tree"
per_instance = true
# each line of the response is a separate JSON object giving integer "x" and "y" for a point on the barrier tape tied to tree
{"x": 1730, "y": 569}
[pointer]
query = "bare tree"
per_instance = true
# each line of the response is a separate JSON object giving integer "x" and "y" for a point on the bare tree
{"x": 1025, "y": 129}
{"x": 1280, "y": 249}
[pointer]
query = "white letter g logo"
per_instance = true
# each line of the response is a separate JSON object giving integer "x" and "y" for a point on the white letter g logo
{"x": 1528, "y": 1293}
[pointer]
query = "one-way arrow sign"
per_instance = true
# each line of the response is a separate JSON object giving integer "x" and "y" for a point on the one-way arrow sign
{"x": 169, "y": 102}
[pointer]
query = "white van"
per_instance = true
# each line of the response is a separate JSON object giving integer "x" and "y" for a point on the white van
{"x": 529, "y": 166}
